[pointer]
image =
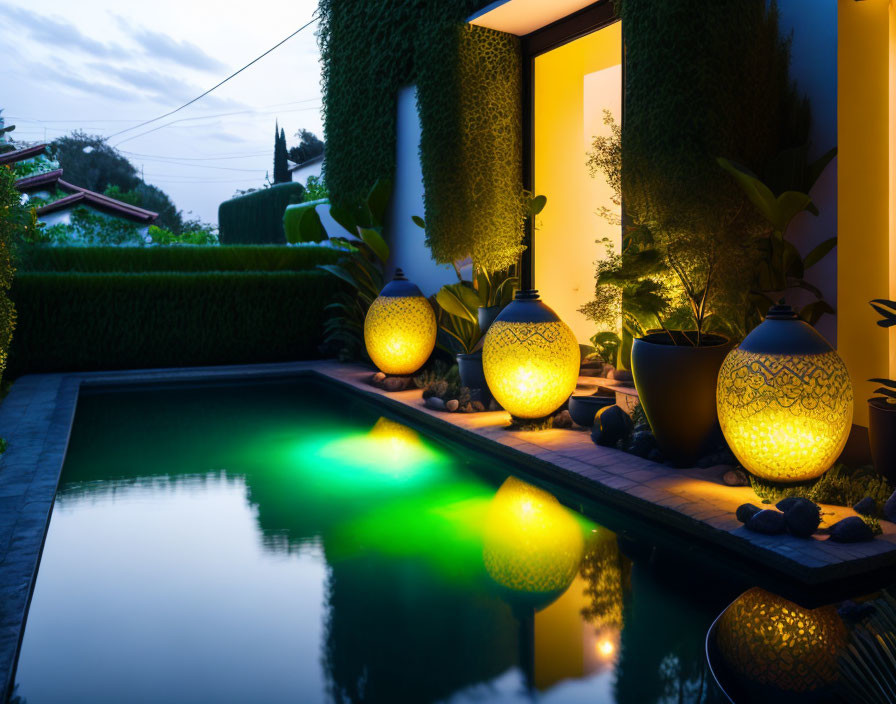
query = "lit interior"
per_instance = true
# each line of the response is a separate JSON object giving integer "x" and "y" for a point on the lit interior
{"x": 574, "y": 85}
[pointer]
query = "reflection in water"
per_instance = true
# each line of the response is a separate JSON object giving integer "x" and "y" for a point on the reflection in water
{"x": 532, "y": 544}
{"x": 387, "y": 569}
{"x": 771, "y": 641}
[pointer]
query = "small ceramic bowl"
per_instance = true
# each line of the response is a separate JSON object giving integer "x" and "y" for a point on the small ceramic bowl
{"x": 583, "y": 408}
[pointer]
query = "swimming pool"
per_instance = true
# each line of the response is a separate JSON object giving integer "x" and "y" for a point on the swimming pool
{"x": 288, "y": 542}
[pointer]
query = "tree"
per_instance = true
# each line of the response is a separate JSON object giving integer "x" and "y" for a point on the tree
{"x": 88, "y": 161}
{"x": 281, "y": 168}
{"x": 309, "y": 147}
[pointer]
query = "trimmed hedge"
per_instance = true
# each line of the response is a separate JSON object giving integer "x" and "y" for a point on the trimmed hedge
{"x": 78, "y": 321}
{"x": 257, "y": 217}
{"x": 203, "y": 258}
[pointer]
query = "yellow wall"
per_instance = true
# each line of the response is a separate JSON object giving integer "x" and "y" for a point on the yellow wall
{"x": 865, "y": 222}
{"x": 573, "y": 84}
{"x": 892, "y": 117}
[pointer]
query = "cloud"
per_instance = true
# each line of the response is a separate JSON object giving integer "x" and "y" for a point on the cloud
{"x": 183, "y": 53}
{"x": 60, "y": 34}
{"x": 163, "y": 86}
{"x": 41, "y": 72}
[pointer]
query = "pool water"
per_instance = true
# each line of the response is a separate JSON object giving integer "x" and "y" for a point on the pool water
{"x": 290, "y": 542}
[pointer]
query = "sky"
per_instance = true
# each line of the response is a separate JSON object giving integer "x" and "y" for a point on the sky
{"x": 103, "y": 66}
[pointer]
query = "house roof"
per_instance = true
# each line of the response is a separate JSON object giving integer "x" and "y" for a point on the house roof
{"x": 81, "y": 196}
{"x": 22, "y": 154}
{"x": 312, "y": 160}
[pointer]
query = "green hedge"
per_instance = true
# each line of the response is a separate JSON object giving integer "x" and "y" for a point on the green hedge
{"x": 77, "y": 321}
{"x": 257, "y": 217}
{"x": 187, "y": 258}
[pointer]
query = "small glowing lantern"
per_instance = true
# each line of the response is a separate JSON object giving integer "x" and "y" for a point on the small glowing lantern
{"x": 530, "y": 358}
{"x": 531, "y": 543}
{"x": 785, "y": 400}
{"x": 400, "y": 328}
{"x": 771, "y": 641}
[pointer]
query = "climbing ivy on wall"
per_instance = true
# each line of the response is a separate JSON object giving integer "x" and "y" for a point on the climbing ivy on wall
{"x": 468, "y": 87}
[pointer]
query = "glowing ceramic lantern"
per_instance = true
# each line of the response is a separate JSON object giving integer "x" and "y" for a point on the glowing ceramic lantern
{"x": 785, "y": 400}
{"x": 530, "y": 358}
{"x": 531, "y": 543}
{"x": 400, "y": 328}
{"x": 771, "y": 641}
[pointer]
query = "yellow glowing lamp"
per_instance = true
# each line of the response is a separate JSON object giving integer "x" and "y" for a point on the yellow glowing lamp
{"x": 784, "y": 399}
{"x": 530, "y": 358}
{"x": 531, "y": 543}
{"x": 771, "y": 641}
{"x": 400, "y": 328}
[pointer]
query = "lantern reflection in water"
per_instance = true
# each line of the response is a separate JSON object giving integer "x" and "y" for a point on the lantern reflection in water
{"x": 773, "y": 642}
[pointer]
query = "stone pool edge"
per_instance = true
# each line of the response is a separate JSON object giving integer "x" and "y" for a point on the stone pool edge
{"x": 36, "y": 418}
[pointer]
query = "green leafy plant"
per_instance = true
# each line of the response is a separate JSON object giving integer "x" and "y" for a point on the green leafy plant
{"x": 606, "y": 346}
{"x": 13, "y": 220}
{"x": 839, "y": 486}
{"x": 868, "y": 662}
{"x": 361, "y": 268}
{"x": 887, "y": 309}
{"x": 315, "y": 189}
{"x": 781, "y": 267}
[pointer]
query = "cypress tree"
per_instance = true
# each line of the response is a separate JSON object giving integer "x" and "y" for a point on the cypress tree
{"x": 281, "y": 168}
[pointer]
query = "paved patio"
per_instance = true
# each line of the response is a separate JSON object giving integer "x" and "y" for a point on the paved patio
{"x": 36, "y": 419}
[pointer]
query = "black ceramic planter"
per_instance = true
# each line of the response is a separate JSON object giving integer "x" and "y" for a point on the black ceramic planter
{"x": 677, "y": 389}
{"x": 472, "y": 376}
{"x": 882, "y": 434}
{"x": 487, "y": 316}
{"x": 583, "y": 408}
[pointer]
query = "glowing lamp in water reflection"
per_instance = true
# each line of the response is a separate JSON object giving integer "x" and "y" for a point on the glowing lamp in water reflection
{"x": 530, "y": 358}
{"x": 531, "y": 543}
{"x": 400, "y": 328}
{"x": 771, "y": 641}
{"x": 785, "y": 400}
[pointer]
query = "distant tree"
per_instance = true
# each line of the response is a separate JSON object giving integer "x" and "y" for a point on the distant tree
{"x": 88, "y": 161}
{"x": 281, "y": 167}
{"x": 309, "y": 147}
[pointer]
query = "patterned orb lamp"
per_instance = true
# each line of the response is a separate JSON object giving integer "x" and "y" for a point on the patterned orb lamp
{"x": 530, "y": 358}
{"x": 770, "y": 641}
{"x": 531, "y": 543}
{"x": 400, "y": 328}
{"x": 785, "y": 400}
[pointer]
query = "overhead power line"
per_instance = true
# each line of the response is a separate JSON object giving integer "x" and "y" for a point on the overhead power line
{"x": 218, "y": 85}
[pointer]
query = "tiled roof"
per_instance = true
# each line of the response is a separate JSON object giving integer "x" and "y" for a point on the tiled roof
{"x": 22, "y": 154}
{"x": 53, "y": 179}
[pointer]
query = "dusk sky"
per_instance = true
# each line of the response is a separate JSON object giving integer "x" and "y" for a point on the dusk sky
{"x": 103, "y": 66}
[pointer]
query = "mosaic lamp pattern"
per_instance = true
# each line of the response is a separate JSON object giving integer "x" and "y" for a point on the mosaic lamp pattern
{"x": 400, "y": 328}
{"x": 773, "y": 642}
{"x": 530, "y": 358}
{"x": 785, "y": 400}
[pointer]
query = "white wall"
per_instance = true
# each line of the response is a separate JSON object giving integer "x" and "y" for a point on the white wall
{"x": 814, "y": 67}
{"x": 406, "y": 240}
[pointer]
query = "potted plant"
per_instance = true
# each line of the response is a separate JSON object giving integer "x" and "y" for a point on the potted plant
{"x": 882, "y": 409}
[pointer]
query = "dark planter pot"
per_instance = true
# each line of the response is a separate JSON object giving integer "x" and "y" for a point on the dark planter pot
{"x": 882, "y": 434}
{"x": 472, "y": 376}
{"x": 487, "y": 316}
{"x": 583, "y": 408}
{"x": 677, "y": 389}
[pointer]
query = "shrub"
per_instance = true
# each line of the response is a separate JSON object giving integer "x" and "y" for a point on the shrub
{"x": 94, "y": 321}
{"x": 196, "y": 259}
{"x": 14, "y": 220}
{"x": 257, "y": 217}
